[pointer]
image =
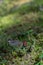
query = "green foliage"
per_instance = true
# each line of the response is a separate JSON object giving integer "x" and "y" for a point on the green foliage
{"x": 28, "y": 7}
{"x": 39, "y": 2}
{"x": 3, "y": 62}
{"x": 21, "y": 52}
{"x": 16, "y": 24}
{"x": 39, "y": 63}
{"x": 41, "y": 55}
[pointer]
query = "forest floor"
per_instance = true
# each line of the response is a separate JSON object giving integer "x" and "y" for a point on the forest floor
{"x": 26, "y": 25}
